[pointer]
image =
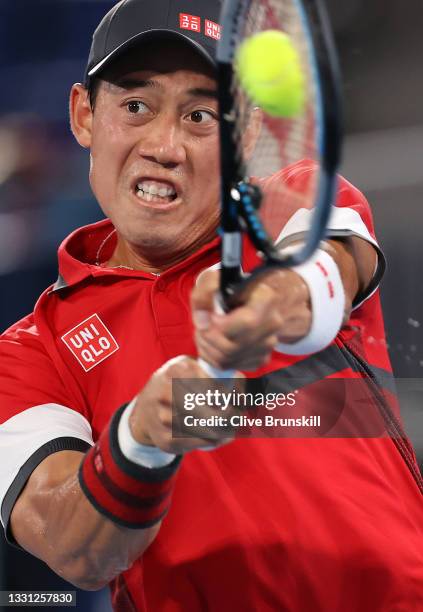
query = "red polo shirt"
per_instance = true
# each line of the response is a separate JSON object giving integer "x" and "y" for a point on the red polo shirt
{"x": 260, "y": 524}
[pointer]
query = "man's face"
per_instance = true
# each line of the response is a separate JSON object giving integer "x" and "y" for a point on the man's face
{"x": 154, "y": 149}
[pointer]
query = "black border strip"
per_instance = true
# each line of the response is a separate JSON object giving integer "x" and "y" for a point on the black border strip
{"x": 318, "y": 366}
{"x": 15, "y": 489}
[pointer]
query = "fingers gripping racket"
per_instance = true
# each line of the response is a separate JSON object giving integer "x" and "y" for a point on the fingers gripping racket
{"x": 257, "y": 197}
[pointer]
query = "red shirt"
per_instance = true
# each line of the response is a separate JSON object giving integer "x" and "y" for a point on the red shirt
{"x": 260, "y": 524}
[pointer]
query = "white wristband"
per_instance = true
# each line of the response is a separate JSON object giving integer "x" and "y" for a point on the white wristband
{"x": 321, "y": 274}
{"x": 146, "y": 456}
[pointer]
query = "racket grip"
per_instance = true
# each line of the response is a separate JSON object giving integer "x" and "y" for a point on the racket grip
{"x": 210, "y": 370}
{"x": 215, "y": 372}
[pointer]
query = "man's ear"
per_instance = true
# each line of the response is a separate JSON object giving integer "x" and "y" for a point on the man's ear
{"x": 252, "y": 132}
{"x": 81, "y": 115}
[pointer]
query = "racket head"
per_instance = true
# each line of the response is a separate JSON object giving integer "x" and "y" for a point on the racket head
{"x": 293, "y": 161}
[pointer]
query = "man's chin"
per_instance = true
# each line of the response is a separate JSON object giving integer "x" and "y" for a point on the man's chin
{"x": 164, "y": 251}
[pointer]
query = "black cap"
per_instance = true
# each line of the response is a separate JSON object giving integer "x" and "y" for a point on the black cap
{"x": 133, "y": 21}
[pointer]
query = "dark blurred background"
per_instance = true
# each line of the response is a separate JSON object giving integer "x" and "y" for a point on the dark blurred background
{"x": 44, "y": 191}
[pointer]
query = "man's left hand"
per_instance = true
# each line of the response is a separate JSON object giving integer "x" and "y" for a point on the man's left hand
{"x": 276, "y": 309}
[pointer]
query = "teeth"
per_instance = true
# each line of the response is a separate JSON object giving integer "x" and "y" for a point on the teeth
{"x": 155, "y": 189}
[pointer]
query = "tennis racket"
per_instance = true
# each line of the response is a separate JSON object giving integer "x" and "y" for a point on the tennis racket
{"x": 256, "y": 196}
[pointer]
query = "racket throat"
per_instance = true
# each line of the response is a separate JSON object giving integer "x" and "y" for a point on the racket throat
{"x": 249, "y": 201}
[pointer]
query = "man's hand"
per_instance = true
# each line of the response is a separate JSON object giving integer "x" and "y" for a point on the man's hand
{"x": 276, "y": 309}
{"x": 151, "y": 419}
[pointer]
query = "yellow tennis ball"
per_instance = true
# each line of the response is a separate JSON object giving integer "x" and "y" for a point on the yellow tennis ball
{"x": 269, "y": 70}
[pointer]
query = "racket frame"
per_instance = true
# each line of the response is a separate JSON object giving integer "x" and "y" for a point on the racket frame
{"x": 240, "y": 199}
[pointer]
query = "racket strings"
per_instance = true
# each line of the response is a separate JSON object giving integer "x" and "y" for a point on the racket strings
{"x": 281, "y": 142}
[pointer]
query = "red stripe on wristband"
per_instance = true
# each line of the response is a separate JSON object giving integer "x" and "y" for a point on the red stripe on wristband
{"x": 112, "y": 498}
{"x": 130, "y": 495}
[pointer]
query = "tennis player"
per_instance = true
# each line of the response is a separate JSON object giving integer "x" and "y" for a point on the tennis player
{"x": 92, "y": 481}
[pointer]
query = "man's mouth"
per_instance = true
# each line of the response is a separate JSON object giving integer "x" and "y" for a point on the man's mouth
{"x": 155, "y": 192}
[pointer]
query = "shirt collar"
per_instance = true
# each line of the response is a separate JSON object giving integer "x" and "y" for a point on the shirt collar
{"x": 78, "y": 256}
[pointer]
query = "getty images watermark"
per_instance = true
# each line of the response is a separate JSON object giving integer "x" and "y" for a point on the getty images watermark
{"x": 274, "y": 406}
{"x": 224, "y": 402}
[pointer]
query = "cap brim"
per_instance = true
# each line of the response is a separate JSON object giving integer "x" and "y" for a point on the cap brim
{"x": 145, "y": 37}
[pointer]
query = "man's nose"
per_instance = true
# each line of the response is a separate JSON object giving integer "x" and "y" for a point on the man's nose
{"x": 163, "y": 141}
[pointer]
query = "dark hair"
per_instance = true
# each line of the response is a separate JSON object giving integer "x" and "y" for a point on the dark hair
{"x": 92, "y": 85}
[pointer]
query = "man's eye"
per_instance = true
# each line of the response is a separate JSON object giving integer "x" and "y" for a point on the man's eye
{"x": 136, "y": 107}
{"x": 201, "y": 116}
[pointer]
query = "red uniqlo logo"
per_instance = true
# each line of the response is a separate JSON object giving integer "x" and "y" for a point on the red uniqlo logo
{"x": 90, "y": 342}
{"x": 212, "y": 29}
{"x": 190, "y": 22}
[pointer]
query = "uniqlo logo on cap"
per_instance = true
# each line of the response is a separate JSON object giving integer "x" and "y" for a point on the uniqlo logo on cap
{"x": 90, "y": 342}
{"x": 212, "y": 29}
{"x": 189, "y": 22}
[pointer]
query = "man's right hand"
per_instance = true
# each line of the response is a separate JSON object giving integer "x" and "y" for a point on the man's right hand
{"x": 151, "y": 419}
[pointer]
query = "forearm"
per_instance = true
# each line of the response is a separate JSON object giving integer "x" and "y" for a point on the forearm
{"x": 356, "y": 260}
{"x": 53, "y": 520}
{"x": 317, "y": 297}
